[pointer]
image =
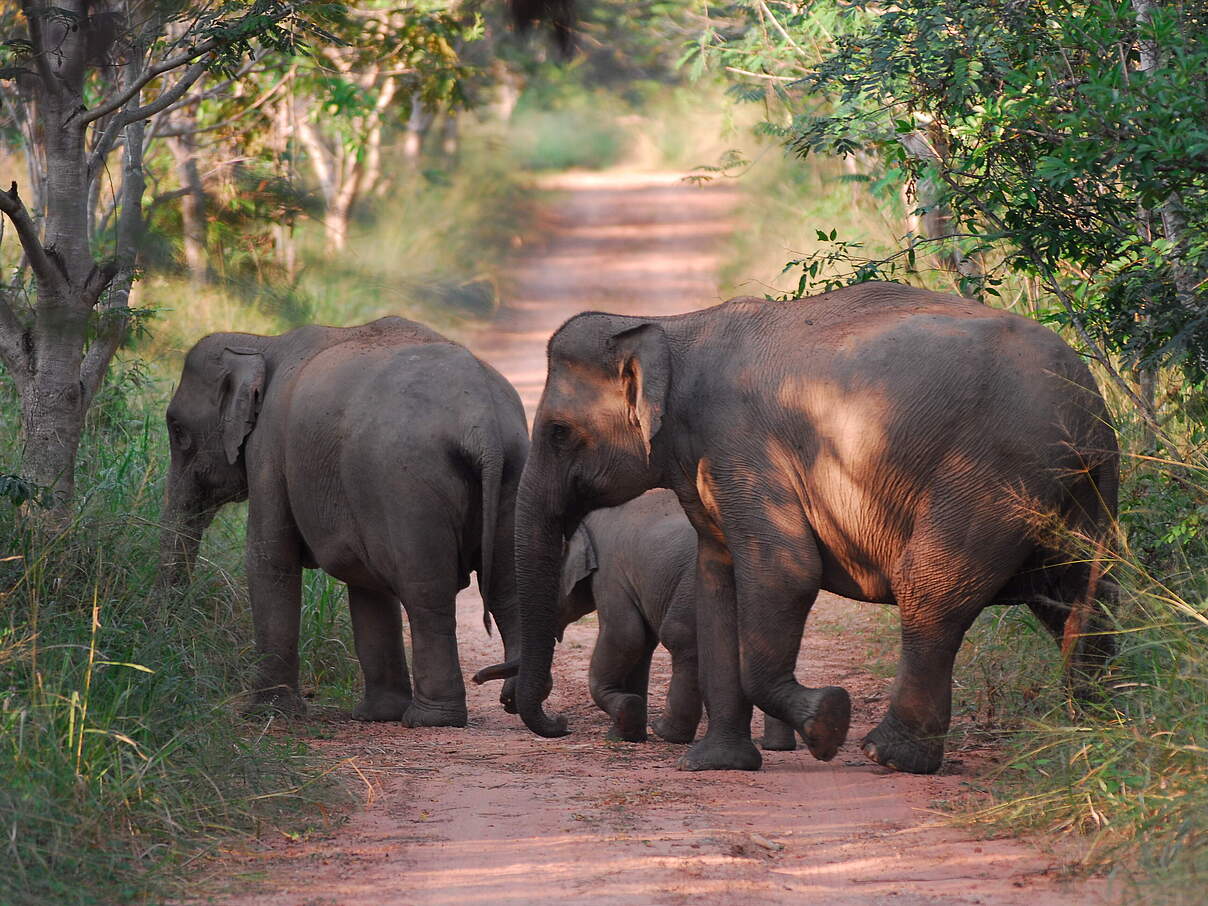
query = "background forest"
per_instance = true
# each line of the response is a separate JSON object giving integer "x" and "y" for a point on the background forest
{"x": 173, "y": 167}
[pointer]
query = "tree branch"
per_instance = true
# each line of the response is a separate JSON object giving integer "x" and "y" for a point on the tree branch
{"x": 120, "y": 122}
{"x": 27, "y": 232}
{"x": 152, "y": 73}
{"x": 117, "y": 274}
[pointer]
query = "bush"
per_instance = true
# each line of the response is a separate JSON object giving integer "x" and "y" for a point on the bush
{"x": 1131, "y": 772}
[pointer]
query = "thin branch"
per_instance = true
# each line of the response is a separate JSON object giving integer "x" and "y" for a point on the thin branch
{"x": 780, "y": 28}
{"x": 761, "y": 75}
{"x": 120, "y": 122}
{"x": 150, "y": 75}
{"x": 167, "y": 98}
{"x": 27, "y": 232}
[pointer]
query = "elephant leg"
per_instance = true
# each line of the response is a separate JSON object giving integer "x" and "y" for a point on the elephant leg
{"x": 778, "y": 570}
{"x": 682, "y": 711}
{"x": 439, "y": 698}
{"x": 274, "y": 576}
{"x": 777, "y": 735}
{"x": 620, "y": 669}
{"x": 377, "y": 628}
{"x": 949, "y": 572}
{"x": 726, "y": 745}
{"x": 911, "y": 736}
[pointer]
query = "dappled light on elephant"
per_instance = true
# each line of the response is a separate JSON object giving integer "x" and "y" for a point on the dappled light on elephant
{"x": 867, "y": 442}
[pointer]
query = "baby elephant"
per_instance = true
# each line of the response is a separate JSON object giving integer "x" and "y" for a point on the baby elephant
{"x": 636, "y": 565}
{"x": 385, "y": 455}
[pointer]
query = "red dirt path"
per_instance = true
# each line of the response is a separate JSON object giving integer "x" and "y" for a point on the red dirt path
{"x": 491, "y": 814}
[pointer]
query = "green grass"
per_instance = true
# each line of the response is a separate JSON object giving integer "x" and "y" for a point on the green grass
{"x": 1130, "y": 773}
{"x": 122, "y": 753}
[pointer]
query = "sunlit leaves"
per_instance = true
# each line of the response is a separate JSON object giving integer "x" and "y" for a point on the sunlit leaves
{"x": 1047, "y": 137}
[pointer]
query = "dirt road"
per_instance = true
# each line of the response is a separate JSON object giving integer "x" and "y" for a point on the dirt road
{"x": 493, "y": 815}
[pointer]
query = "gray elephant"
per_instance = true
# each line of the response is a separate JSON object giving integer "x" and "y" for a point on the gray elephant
{"x": 635, "y": 564}
{"x": 882, "y": 442}
{"x": 385, "y": 455}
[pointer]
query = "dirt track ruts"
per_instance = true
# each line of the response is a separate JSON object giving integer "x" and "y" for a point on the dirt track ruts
{"x": 491, "y": 814}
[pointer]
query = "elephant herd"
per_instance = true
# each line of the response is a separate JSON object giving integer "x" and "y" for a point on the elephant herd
{"x": 696, "y": 479}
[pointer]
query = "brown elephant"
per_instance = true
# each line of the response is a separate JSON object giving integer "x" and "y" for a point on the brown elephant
{"x": 882, "y": 442}
{"x": 385, "y": 455}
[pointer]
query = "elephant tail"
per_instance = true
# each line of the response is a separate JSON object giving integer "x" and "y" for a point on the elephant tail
{"x": 490, "y": 472}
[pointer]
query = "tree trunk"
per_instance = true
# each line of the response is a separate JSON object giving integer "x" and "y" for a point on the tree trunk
{"x": 1187, "y": 279}
{"x": 450, "y": 137}
{"x": 417, "y": 127}
{"x": 52, "y": 402}
{"x": 192, "y": 208}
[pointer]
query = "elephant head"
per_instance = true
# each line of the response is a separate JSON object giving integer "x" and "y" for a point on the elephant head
{"x": 594, "y": 445}
{"x": 210, "y": 417}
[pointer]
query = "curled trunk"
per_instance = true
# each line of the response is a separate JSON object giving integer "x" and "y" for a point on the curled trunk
{"x": 538, "y": 567}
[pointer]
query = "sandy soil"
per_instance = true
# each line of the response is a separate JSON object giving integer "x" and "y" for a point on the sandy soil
{"x": 491, "y": 814}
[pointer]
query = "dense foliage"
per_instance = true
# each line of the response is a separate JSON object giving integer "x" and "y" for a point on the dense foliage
{"x": 1067, "y": 141}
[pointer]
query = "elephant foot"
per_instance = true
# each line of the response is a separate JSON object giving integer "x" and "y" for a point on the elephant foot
{"x": 418, "y": 715}
{"x": 713, "y": 754}
{"x": 382, "y": 706}
{"x": 893, "y": 745}
{"x": 671, "y": 731}
{"x": 826, "y": 729}
{"x": 280, "y": 700}
{"x": 629, "y": 719}
{"x": 777, "y": 736}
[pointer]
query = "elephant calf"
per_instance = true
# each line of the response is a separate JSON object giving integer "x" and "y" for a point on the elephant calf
{"x": 385, "y": 455}
{"x": 635, "y": 564}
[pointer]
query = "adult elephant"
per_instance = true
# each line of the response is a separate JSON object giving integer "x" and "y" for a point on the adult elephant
{"x": 882, "y": 442}
{"x": 385, "y": 455}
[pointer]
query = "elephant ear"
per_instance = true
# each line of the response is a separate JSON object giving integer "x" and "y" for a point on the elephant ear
{"x": 579, "y": 561}
{"x": 644, "y": 365}
{"x": 242, "y": 391}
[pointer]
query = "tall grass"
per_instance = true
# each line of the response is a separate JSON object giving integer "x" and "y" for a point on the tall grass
{"x": 1129, "y": 773}
{"x": 122, "y": 753}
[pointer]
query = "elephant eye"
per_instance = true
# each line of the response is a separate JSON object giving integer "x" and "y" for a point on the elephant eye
{"x": 180, "y": 437}
{"x": 559, "y": 434}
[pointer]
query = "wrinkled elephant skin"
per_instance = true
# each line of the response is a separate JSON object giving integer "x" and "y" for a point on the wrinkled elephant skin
{"x": 882, "y": 442}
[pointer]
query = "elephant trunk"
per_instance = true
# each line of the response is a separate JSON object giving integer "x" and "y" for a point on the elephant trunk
{"x": 538, "y": 568}
{"x": 185, "y": 518}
